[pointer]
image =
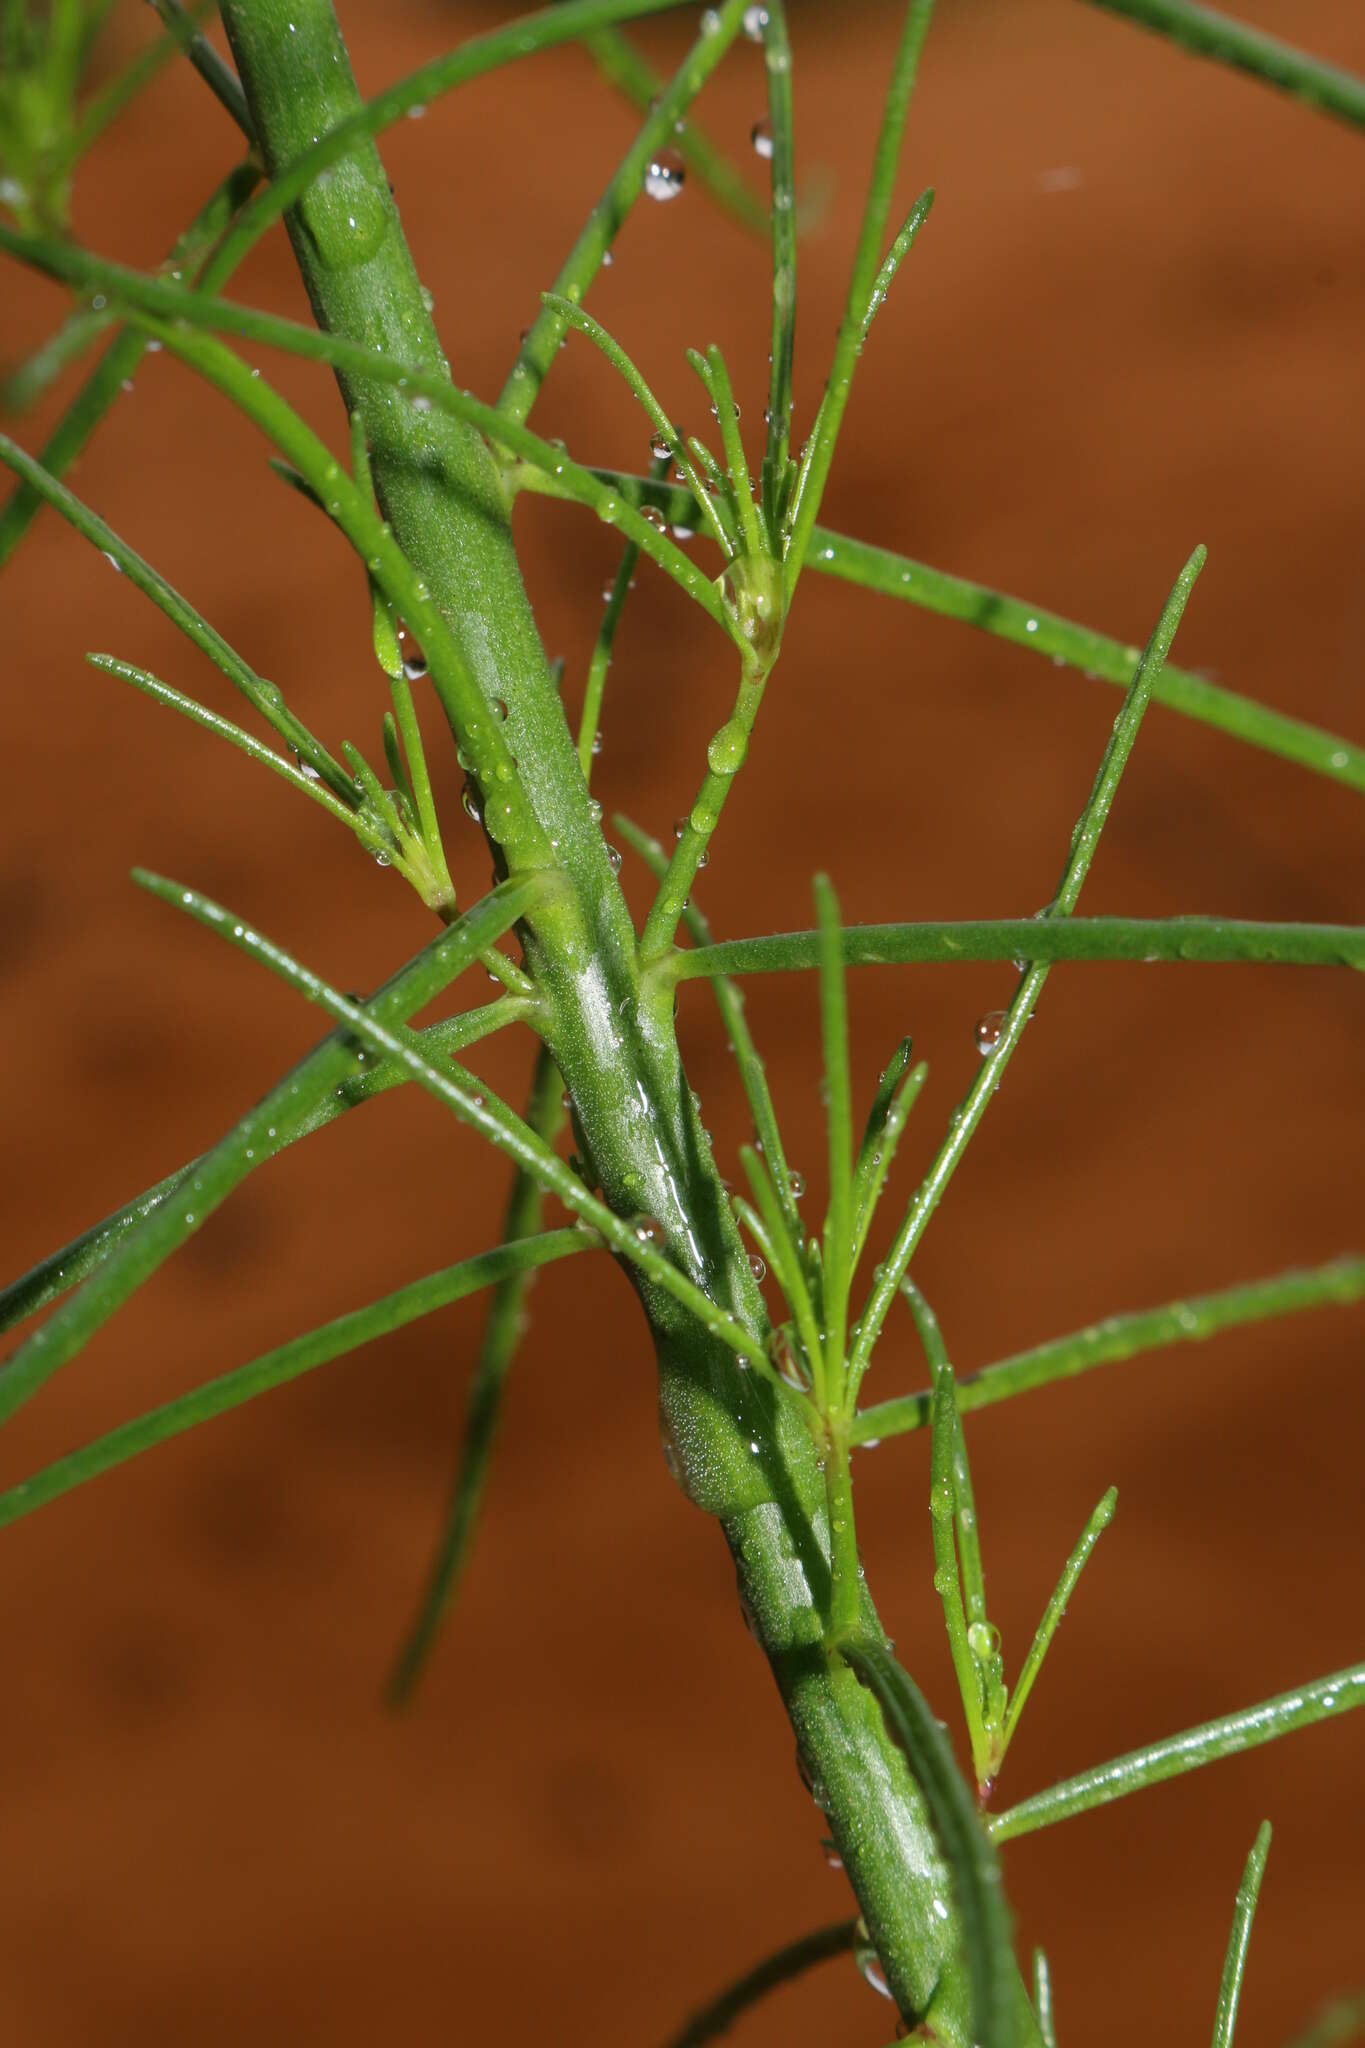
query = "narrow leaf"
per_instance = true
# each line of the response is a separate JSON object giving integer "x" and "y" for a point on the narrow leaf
{"x": 1234, "y": 1963}
{"x": 1229, "y": 1736}
{"x": 287, "y": 1362}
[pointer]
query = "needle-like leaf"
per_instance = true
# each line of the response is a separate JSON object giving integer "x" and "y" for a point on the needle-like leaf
{"x": 286, "y": 1362}
{"x": 1234, "y": 1963}
{"x": 1228, "y": 1736}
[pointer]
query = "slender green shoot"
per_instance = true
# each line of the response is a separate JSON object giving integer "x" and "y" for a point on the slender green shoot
{"x": 623, "y": 67}
{"x": 63, "y": 1269}
{"x": 1228, "y": 1736}
{"x": 897, "y": 1094}
{"x": 947, "y": 1576}
{"x": 719, "y": 2014}
{"x": 218, "y": 75}
{"x": 1209, "y": 939}
{"x": 815, "y": 464}
{"x": 666, "y": 111}
{"x": 1205, "y": 33}
{"x": 1056, "y": 1607}
{"x": 1101, "y": 657}
{"x": 137, "y": 1253}
{"x": 502, "y": 1334}
{"x": 893, "y": 259}
{"x": 267, "y": 698}
{"x": 838, "y": 1238}
{"x": 668, "y": 440}
{"x": 1193, "y": 1321}
{"x": 776, "y": 142}
{"x": 471, "y": 1100}
{"x": 286, "y": 1362}
{"x": 1084, "y": 840}
{"x": 1235, "y": 1962}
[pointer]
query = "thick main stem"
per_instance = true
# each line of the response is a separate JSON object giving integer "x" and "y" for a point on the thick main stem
{"x": 737, "y": 1453}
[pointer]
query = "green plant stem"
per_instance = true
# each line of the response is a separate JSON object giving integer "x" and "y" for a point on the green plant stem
{"x": 1228, "y": 1736}
{"x": 1223, "y": 939}
{"x": 1205, "y": 33}
{"x": 250, "y": 26}
{"x": 741, "y": 1452}
{"x": 286, "y": 1362}
{"x": 719, "y": 2014}
{"x": 502, "y": 1334}
{"x": 56, "y": 1275}
{"x": 406, "y": 384}
{"x": 1056, "y": 1607}
{"x": 1234, "y": 1964}
{"x": 976, "y": 1874}
{"x": 1193, "y": 1321}
{"x": 138, "y": 1253}
{"x": 819, "y": 454}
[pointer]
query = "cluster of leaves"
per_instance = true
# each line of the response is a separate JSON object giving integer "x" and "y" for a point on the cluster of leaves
{"x": 765, "y": 529}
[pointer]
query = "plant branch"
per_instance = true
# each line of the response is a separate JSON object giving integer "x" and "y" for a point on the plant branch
{"x": 1229, "y": 1736}
{"x": 1205, "y": 33}
{"x": 1125, "y": 1336}
{"x": 286, "y": 1362}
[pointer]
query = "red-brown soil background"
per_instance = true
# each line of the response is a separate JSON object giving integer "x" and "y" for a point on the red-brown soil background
{"x": 211, "y": 1829}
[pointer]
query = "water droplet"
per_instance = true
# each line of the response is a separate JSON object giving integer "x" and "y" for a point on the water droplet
{"x": 652, "y": 516}
{"x": 414, "y": 661}
{"x": 988, "y": 1031}
{"x": 421, "y": 403}
{"x": 797, "y": 1183}
{"x": 679, "y": 827}
{"x": 594, "y": 810}
{"x": 614, "y": 856}
{"x": 607, "y": 259}
{"x": 683, "y": 532}
{"x": 382, "y": 859}
{"x": 761, "y": 136}
{"x": 757, "y": 1267}
{"x": 870, "y": 1965}
{"x": 417, "y": 112}
{"x": 666, "y": 175}
{"x": 1030, "y": 625}
{"x": 725, "y": 754}
{"x": 831, "y": 1854}
{"x": 661, "y": 447}
{"x": 710, "y": 22}
{"x": 113, "y": 561}
{"x": 755, "y": 21}
{"x": 471, "y": 800}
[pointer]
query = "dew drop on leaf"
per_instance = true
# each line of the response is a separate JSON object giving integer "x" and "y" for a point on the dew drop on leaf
{"x": 988, "y": 1030}
{"x": 666, "y": 175}
{"x": 761, "y": 136}
{"x": 755, "y": 21}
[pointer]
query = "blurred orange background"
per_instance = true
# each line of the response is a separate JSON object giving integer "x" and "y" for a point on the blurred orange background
{"x": 1132, "y": 323}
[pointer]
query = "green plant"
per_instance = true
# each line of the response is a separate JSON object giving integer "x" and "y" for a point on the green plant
{"x": 759, "y": 1418}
